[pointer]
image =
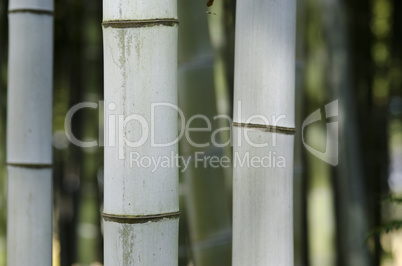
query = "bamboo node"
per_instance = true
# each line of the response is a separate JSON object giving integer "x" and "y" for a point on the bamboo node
{"x": 267, "y": 128}
{"x": 31, "y": 10}
{"x": 30, "y": 165}
{"x": 131, "y": 219}
{"x": 170, "y": 22}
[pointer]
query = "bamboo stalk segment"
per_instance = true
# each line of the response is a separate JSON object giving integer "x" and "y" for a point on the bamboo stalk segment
{"x": 29, "y": 229}
{"x": 29, "y": 133}
{"x": 263, "y": 128}
{"x": 29, "y": 121}
{"x": 140, "y": 64}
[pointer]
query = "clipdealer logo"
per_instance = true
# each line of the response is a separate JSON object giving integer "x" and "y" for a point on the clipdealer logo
{"x": 330, "y": 155}
{"x": 143, "y": 126}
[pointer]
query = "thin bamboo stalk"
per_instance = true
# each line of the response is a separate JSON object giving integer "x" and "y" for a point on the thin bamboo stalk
{"x": 29, "y": 129}
{"x": 3, "y": 106}
{"x": 88, "y": 216}
{"x": 140, "y": 63}
{"x": 264, "y": 85}
{"x": 204, "y": 186}
{"x": 299, "y": 193}
{"x": 221, "y": 31}
{"x": 353, "y": 216}
{"x": 318, "y": 235}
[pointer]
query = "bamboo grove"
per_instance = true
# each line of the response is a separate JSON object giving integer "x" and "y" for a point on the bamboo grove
{"x": 206, "y": 133}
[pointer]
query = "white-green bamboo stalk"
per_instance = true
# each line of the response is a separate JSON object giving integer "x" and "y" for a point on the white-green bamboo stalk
{"x": 29, "y": 131}
{"x": 140, "y": 63}
{"x": 264, "y": 85}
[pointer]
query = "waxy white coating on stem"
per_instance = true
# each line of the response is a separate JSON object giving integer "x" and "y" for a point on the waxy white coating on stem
{"x": 265, "y": 60}
{"x": 29, "y": 116}
{"x": 139, "y": 72}
{"x": 264, "y": 86}
{"x": 140, "y": 64}
{"x": 31, "y": 4}
{"x": 29, "y": 228}
{"x": 29, "y": 133}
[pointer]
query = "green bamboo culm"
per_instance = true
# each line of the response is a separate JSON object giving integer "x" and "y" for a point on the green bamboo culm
{"x": 206, "y": 203}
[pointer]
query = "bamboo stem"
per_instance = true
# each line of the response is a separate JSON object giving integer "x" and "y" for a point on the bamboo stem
{"x": 204, "y": 186}
{"x": 264, "y": 86}
{"x": 140, "y": 61}
{"x": 29, "y": 131}
{"x": 353, "y": 218}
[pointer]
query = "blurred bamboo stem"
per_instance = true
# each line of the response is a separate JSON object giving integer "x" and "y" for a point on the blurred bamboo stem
{"x": 29, "y": 131}
{"x": 264, "y": 86}
{"x": 300, "y": 182}
{"x": 3, "y": 106}
{"x": 140, "y": 63}
{"x": 204, "y": 186}
{"x": 221, "y": 31}
{"x": 88, "y": 244}
{"x": 353, "y": 219}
